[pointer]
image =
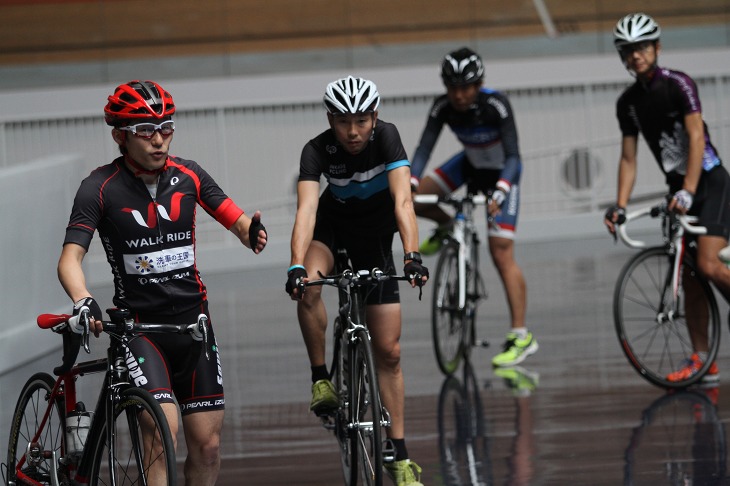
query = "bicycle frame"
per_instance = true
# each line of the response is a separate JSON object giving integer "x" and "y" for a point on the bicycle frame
{"x": 358, "y": 421}
{"x": 674, "y": 228}
{"x": 78, "y": 465}
{"x": 464, "y": 231}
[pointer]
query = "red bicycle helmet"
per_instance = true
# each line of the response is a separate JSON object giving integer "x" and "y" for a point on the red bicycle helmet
{"x": 138, "y": 100}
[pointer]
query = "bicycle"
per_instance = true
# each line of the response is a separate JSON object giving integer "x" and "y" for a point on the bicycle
{"x": 458, "y": 286}
{"x": 359, "y": 421}
{"x": 126, "y": 439}
{"x": 657, "y": 292}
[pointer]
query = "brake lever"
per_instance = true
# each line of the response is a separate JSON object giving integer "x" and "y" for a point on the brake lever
{"x": 87, "y": 330}
{"x": 203, "y": 321}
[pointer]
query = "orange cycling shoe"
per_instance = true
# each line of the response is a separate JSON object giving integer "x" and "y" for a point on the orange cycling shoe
{"x": 690, "y": 367}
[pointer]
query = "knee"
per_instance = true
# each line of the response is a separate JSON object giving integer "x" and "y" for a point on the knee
{"x": 711, "y": 269}
{"x": 207, "y": 451}
{"x": 388, "y": 357}
{"x": 311, "y": 298}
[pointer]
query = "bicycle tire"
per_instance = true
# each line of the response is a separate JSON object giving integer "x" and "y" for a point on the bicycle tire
{"x": 447, "y": 321}
{"x": 474, "y": 293}
{"x": 340, "y": 379}
{"x": 29, "y": 412}
{"x": 365, "y": 417}
{"x": 653, "y": 336}
{"x": 128, "y": 466}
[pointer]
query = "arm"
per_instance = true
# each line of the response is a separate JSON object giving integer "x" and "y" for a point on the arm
{"x": 626, "y": 177}
{"x": 72, "y": 278}
{"x": 696, "y": 135}
{"x": 512, "y": 161}
{"x": 241, "y": 229}
{"x": 429, "y": 136}
{"x": 71, "y": 273}
{"x": 405, "y": 216}
{"x": 307, "y": 203}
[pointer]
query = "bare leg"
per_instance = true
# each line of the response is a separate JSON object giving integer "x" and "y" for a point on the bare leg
{"x": 431, "y": 211}
{"x": 311, "y": 310}
{"x": 716, "y": 272}
{"x": 384, "y": 322}
{"x": 203, "y": 437}
{"x": 502, "y": 250}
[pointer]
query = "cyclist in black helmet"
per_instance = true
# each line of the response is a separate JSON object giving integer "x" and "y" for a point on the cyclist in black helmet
{"x": 664, "y": 106}
{"x": 483, "y": 121}
{"x": 366, "y": 201}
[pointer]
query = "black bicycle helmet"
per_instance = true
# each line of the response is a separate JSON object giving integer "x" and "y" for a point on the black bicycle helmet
{"x": 462, "y": 66}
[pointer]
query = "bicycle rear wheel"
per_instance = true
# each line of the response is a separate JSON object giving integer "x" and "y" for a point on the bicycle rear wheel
{"x": 29, "y": 413}
{"x": 447, "y": 320}
{"x": 366, "y": 418}
{"x": 142, "y": 451}
{"x": 652, "y": 328}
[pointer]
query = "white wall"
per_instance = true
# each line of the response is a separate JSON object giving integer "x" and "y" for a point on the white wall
{"x": 36, "y": 199}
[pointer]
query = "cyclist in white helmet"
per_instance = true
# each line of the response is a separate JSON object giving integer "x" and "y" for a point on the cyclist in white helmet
{"x": 367, "y": 199}
{"x": 664, "y": 106}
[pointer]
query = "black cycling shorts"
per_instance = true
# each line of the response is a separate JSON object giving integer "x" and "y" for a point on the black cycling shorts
{"x": 711, "y": 202}
{"x": 168, "y": 363}
{"x": 366, "y": 253}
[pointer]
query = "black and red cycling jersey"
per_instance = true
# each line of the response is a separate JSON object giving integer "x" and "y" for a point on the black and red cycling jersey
{"x": 150, "y": 242}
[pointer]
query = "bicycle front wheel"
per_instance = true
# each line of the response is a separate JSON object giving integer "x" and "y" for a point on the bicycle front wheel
{"x": 653, "y": 327}
{"x": 30, "y": 445}
{"x": 142, "y": 450}
{"x": 340, "y": 378}
{"x": 447, "y": 320}
{"x": 366, "y": 417}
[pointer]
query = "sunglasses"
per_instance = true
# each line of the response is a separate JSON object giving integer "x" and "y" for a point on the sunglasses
{"x": 639, "y": 47}
{"x": 147, "y": 130}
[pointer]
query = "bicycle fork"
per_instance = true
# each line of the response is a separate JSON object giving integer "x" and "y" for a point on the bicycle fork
{"x": 458, "y": 235}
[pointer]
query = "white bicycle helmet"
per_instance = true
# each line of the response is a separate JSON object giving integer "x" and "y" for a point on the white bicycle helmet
{"x": 633, "y": 28}
{"x": 351, "y": 95}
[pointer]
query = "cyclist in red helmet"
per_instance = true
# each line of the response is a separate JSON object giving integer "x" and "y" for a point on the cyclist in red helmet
{"x": 143, "y": 205}
{"x": 663, "y": 105}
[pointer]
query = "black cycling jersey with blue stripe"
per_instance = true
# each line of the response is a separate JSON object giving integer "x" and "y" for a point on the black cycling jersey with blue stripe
{"x": 357, "y": 193}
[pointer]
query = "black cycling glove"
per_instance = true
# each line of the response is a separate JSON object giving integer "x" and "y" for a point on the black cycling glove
{"x": 412, "y": 268}
{"x": 94, "y": 309}
{"x": 294, "y": 277}
{"x": 619, "y": 212}
{"x": 253, "y": 232}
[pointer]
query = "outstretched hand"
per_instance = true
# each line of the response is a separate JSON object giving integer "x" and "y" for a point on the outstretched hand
{"x": 257, "y": 235}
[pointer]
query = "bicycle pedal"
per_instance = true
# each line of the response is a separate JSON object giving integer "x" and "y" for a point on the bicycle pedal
{"x": 388, "y": 451}
{"x": 328, "y": 421}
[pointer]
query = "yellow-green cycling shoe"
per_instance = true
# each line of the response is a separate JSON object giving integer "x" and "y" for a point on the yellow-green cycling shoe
{"x": 433, "y": 243}
{"x": 404, "y": 473}
{"x": 516, "y": 349}
{"x": 324, "y": 397}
